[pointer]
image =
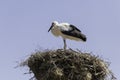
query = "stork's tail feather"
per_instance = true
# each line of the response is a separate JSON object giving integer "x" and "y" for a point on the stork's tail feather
{"x": 83, "y": 37}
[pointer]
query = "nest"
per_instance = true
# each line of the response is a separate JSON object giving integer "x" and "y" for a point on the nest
{"x": 68, "y": 65}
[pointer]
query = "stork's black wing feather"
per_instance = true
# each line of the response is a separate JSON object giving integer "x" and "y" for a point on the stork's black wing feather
{"x": 74, "y": 28}
{"x": 74, "y": 32}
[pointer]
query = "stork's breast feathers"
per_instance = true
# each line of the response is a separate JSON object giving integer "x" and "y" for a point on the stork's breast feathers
{"x": 56, "y": 32}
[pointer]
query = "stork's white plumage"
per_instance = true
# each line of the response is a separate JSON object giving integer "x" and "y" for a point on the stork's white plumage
{"x": 66, "y": 31}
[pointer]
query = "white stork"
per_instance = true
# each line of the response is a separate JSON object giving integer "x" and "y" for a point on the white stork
{"x": 66, "y": 31}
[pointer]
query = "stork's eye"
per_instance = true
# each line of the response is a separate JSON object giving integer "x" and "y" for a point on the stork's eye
{"x": 52, "y": 23}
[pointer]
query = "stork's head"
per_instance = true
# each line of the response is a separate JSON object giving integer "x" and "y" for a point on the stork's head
{"x": 52, "y": 25}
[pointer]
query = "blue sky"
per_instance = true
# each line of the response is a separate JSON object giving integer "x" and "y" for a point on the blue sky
{"x": 24, "y": 25}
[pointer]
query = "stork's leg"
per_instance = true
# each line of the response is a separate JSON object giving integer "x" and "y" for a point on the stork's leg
{"x": 65, "y": 45}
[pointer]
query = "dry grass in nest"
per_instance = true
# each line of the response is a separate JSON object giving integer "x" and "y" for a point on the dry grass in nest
{"x": 68, "y": 65}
